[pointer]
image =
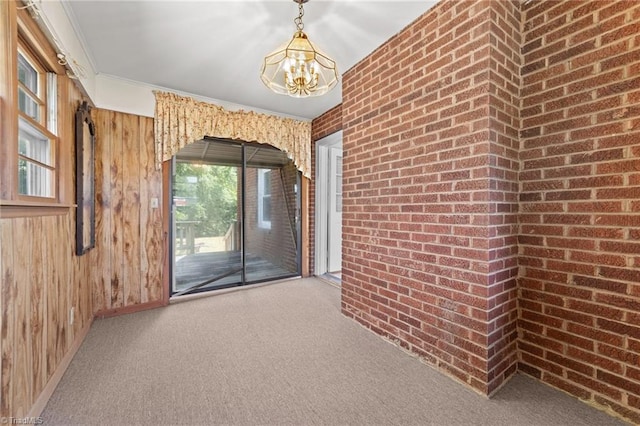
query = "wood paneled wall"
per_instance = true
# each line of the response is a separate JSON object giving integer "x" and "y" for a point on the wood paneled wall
{"x": 129, "y": 234}
{"x": 42, "y": 279}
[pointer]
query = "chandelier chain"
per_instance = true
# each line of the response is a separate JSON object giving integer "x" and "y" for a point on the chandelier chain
{"x": 298, "y": 20}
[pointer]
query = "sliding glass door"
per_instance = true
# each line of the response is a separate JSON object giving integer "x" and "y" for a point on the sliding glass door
{"x": 235, "y": 216}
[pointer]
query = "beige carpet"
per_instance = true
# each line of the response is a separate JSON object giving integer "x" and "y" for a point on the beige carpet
{"x": 280, "y": 354}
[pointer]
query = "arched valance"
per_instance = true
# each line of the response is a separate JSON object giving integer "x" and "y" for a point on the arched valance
{"x": 180, "y": 121}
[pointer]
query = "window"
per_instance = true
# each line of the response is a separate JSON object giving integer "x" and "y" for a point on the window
{"x": 264, "y": 198}
{"x": 37, "y": 116}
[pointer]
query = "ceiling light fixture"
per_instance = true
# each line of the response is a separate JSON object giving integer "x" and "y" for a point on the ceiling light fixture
{"x": 298, "y": 68}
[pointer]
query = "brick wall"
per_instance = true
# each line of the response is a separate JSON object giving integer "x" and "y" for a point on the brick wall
{"x": 430, "y": 124}
{"x": 328, "y": 123}
{"x": 579, "y": 201}
{"x": 492, "y": 144}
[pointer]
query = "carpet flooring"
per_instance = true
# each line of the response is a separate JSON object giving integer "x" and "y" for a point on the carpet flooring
{"x": 278, "y": 354}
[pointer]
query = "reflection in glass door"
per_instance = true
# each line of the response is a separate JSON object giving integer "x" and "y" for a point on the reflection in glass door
{"x": 235, "y": 216}
{"x": 271, "y": 216}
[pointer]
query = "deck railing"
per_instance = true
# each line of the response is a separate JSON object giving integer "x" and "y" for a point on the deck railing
{"x": 232, "y": 237}
{"x": 186, "y": 236}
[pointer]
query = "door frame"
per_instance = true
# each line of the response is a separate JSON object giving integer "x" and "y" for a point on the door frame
{"x": 321, "y": 201}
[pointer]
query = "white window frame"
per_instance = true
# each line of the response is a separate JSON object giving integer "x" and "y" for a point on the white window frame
{"x": 42, "y": 177}
{"x": 262, "y": 198}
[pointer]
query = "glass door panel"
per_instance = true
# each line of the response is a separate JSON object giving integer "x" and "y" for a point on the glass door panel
{"x": 271, "y": 215}
{"x": 206, "y": 217}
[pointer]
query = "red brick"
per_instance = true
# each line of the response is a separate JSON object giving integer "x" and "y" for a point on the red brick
{"x": 595, "y": 334}
{"x": 569, "y": 339}
{"x": 613, "y": 9}
{"x": 618, "y": 327}
{"x": 619, "y": 247}
{"x": 619, "y": 301}
{"x": 566, "y": 386}
{"x": 571, "y": 266}
{"x": 600, "y": 284}
{"x": 619, "y": 382}
{"x": 595, "y": 385}
{"x": 566, "y": 290}
{"x": 628, "y": 275}
{"x": 629, "y": 358}
{"x": 595, "y": 309}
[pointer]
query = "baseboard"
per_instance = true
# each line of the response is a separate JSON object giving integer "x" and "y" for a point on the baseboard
{"x": 107, "y": 313}
{"x": 41, "y": 402}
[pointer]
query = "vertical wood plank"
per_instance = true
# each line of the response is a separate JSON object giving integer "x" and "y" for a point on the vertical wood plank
{"x": 102, "y": 292}
{"x": 66, "y": 149}
{"x": 156, "y": 244}
{"x": 39, "y": 276}
{"x": 46, "y": 296}
{"x": 117, "y": 202}
{"x": 145, "y": 205}
{"x": 77, "y": 270}
{"x": 73, "y": 266}
{"x": 63, "y": 291}
{"x": 131, "y": 209}
{"x": 73, "y": 275}
{"x": 81, "y": 271}
{"x": 7, "y": 316}
{"x": 86, "y": 297}
{"x": 22, "y": 236}
{"x": 154, "y": 240}
{"x": 53, "y": 315}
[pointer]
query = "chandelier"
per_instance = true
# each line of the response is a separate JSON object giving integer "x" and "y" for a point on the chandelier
{"x": 298, "y": 68}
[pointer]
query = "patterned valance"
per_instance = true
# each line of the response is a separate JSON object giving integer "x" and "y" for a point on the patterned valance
{"x": 181, "y": 120}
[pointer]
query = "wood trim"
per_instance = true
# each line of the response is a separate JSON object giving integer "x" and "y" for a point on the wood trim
{"x": 8, "y": 99}
{"x": 305, "y": 226}
{"x": 29, "y": 30}
{"x": 108, "y": 313}
{"x": 166, "y": 225}
{"x": 41, "y": 402}
{"x": 66, "y": 140}
{"x": 17, "y": 209}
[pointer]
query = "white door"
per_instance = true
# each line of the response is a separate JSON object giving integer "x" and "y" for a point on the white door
{"x": 334, "y": 198}
{"x": 328, "y": 211}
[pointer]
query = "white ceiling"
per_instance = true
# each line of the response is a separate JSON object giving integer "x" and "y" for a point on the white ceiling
{"x": 215, "y": 48}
